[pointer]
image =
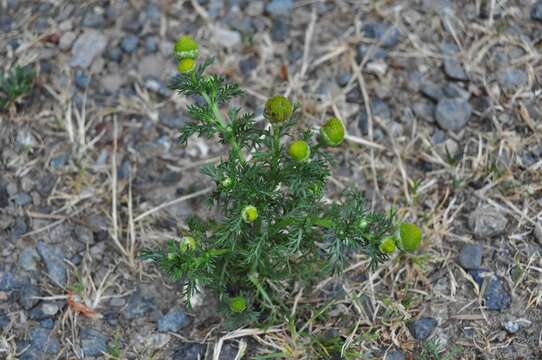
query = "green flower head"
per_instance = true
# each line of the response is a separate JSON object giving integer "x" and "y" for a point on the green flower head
{"x": 410, "y": 237}
{"x": 299, "y": 150}
{"x": 332, "y": 132}
{"x": 226, "y": 182}
{"x": 238, "y": 304}
{"x": 186, "y": 48}
{"x": 278, "y": 109}
{"x": 249, "y": 214}
{"x": 387, "y": 246}
{"x": 186, "y": 65}
{"x": 187, "y": 243}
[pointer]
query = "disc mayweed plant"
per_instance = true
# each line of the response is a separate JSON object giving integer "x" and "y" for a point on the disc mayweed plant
{"x": 276, "y": 232}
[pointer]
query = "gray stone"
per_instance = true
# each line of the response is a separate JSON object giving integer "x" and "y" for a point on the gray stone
{"x": 66, "y": 40}
{"x": 19, "y": 228}
{"x": 511, "y": 78}
{"x": 248, "y": 65}
{"x": 173, "y": 121}
{"x": 343, "y": 79}
{"x": 380, "y": 109}
{"x": 431, "y": 90}
{"x": 424, "y": 111}
{"x": 22, "y": 199}
{"x": 536, "y": 11}
{"x": 453, "y": 90}
{"x": 82, "y": 80}
{"x": 6, "y": 221}
{"x": 387, "y": 35}
{"x": 93, "y": 343}
{"x": 87, "y": 47}
{"x": 132, "y": 23}
{"x": 112, "y": 82}
{"x": 511, "y": 327}
{"x": 8, "y": 281}
{"x": 153, "y": 14}
{"x": 280, "y": 8}
{"x": 452, "y": 114}
{"x": 423, "y": 328}
{"x": 174, "y": 320}
{"x": 43, "y": 311}
{"x": 137, "y": 307}
{"x": 280, "y": 30}
{"x": 5, "y": 23}
{"x": 470, "y": 256}
{"x": 28, "y": 296}
{"x": 487, "y": 222}
{"x": 454, "y": 69}
{"x": 496, "y": 297}
{"x": 47, "y": 323}
{"x": 224, "y": 37}
{"x": 151, "y": 44}
{"x": 93, "y": 19}
{"x": 114, "y": 54}
{"x": 54, "y": 261}
{"x": 43, "y": 340}
{"x": 396, "y": 355}
{"x": 28, "y": 259}
{"x": 129, "y": 43}
{"x": 478, "y": 275}
{"x": 189, "y": 351}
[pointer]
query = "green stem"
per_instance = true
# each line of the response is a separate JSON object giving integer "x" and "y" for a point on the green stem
{"x": 253, "y": 277}
{"x": 224, "y": 129}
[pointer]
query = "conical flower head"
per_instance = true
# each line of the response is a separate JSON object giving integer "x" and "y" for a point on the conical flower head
{"x": 278, "y": 109}
{"x": 332, "y": 132}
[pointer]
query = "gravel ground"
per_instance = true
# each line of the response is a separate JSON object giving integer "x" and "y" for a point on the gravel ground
{"x": 442, "y": 100}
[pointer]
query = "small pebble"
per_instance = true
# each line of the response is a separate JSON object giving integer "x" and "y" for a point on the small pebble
{"x": 129, "y": 43}
{"x": 496, "y": 297}
{"x": 280, "y": 30}
{"x": 423, "y": 328}
{"x": 174, "y": 320}
{"x": 452, "y": 114}
{"x": 280, "y": 8}
{"x": 82, "y": 80}
{"x": 471, "y": 256}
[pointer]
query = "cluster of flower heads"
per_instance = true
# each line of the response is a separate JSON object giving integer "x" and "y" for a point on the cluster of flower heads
{"x": 186, "y": 52}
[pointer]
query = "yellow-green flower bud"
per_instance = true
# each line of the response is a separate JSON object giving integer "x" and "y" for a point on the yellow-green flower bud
{"x": 362, "y": 224}
{"x": 171, "y": 256}
{"x": 278, "y": 109}
{"x": 332, "y": 132}
{"x": 186, "y": 48}
{"x": 187, "y": 243}
{"x": 249, "y": 214}
{"x": 226, "y": 182}
{"x": 299, "y": 150}
{"x": 186, "y": 65}
{"x": 238, "y": 304}
{"x": 410, "y": 236}
{"x": 387, "y": 246}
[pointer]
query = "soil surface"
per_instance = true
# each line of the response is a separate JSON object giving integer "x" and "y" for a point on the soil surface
{"x": 442, "y": 101}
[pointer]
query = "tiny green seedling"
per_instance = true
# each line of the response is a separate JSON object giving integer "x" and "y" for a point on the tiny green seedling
{"x": 14, "y": 84}
{"x": 275, "y": 231}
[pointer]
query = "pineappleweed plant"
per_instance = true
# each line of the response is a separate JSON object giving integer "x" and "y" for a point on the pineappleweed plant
{"x": 275, "y": 230}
